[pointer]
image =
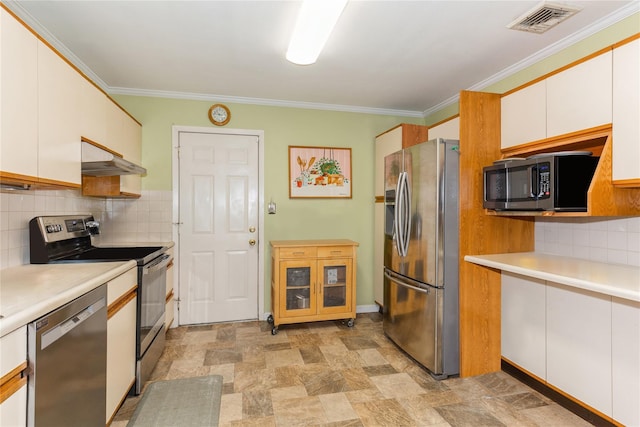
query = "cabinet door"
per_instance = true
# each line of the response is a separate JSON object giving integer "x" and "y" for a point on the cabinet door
{"x": 114, "y": 134}
{"x": 626, "y": 110}
{"x": 169, "y": 309}
{"x": 523, "y": 322}
{"x": 13, "y": 354}
{"x": 378, "y": 254}
{"x": 524, "y": 115}
{"x": 93, "y": 112}
{"x": 626, "y": 354}
{"x": 334, "y": 285}
{"x": 19, "y": 100}
{"x": 580, "y": 97}
{"x": 447, "y": 130}
{"x": 579, "y": 344}
{"x": 132, "y": 151}
{"x": 121, "y": 355}
{"x": 297, "y": 288}
{"x": 59, "y": 144}
{"x": 387, "y": 143}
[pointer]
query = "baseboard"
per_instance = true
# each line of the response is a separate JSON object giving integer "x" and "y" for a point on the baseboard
{"x": 373, "y": 308}
{"x": 561, "y": 399}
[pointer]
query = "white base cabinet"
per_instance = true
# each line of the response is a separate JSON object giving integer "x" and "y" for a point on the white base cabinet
{"x": 584, "y": 343}
{"x": 121, "y": 339}
{"x": 523, "y": 323}
{"x": 625, "y": 351}
{"x": 169, "y": 312}
{"x": 579, "y": 344}
{"x": 13, "y": 381}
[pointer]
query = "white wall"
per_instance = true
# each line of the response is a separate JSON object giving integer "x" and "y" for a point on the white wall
{"x": 612, "y": 240}
{"x": 147, "y": 219}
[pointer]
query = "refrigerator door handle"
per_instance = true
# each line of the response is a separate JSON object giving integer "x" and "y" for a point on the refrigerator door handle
{"x": 406, "y": 282}
{"x": 407, "y": 213}
{"x": 397, "y": 221}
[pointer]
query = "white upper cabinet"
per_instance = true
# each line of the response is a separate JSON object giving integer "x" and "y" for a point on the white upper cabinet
{"x": 524, "y": 115}
{"x": 447, "y": 130}
{"x": 93, "y": 112}
{"x": 626, "y": 112}
{"x": 387, "y": 143}
{"x": 575, "y": 99}
{"x": 19, "y": 98}
{"x": 580, "y": 97}
{"x": 58, "y": 118}
{"x": 132, "y": 151}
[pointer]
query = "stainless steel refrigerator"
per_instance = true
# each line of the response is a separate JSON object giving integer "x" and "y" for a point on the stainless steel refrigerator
{"x": 420, "y": 310}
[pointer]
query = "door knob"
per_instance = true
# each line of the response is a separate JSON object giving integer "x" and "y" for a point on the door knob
{"x": 252, "y": 229}
{"x": 252, "y": 242}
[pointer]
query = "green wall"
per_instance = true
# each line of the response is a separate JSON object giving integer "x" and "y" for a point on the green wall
{"x": 282, "y": 126}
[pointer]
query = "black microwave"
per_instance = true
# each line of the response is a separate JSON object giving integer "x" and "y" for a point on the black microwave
{"x": 544, "y": 182}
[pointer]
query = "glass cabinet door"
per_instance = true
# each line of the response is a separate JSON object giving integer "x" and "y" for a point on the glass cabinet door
{"x": 298, "y": 277}
{"x": 335, "y": 278}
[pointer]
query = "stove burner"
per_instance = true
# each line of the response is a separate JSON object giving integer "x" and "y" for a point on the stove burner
{"x": 106, "y": 254}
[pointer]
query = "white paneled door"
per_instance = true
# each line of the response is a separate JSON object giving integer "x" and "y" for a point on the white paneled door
{"x": 218, "y": 211}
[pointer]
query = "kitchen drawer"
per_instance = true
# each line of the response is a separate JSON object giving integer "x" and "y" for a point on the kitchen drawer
{"x": 121, "y": 285}
{"x": 298, "y": 252}
{"x": 13, "y": 350}
{"x": 334, "y": 251}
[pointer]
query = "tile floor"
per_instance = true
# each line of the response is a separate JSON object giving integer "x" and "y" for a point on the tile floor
{"x": 326, "y": 374}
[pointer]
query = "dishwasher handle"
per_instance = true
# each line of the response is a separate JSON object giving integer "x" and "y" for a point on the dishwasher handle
{"x": 66, "y": 326}
{"x": 158, "y": 264}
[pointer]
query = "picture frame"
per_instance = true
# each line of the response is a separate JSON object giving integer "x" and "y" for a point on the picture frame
{"x": 319, "y": 172}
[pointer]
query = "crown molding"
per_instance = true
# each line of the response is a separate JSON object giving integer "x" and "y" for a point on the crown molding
{"x": 262, "y": 101}
{"x": 548, "y": 51}
{"x": 607, "y": 21}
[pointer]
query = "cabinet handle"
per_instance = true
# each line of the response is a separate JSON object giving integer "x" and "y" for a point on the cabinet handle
{"x": 336, "y": 252}
{"x": 298, "y": 253}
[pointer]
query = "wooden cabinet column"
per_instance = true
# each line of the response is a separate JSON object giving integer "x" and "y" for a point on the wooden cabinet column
{"x": 482, "y": 234}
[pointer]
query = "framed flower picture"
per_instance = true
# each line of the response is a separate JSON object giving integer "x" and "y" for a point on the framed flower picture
{"x": 319, "y": 172}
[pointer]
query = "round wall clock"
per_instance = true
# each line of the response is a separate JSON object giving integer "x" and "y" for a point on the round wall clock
{"x": 219, "y": 114}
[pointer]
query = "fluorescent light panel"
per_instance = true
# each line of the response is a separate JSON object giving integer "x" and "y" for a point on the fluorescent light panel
{"x": 315, "y": 22}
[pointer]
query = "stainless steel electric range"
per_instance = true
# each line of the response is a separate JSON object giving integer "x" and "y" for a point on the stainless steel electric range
{"x": 67, "y": 239}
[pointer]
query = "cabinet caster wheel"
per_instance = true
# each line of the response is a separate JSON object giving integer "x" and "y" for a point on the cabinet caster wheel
{"x": 274, "y": 331}
{"x": 350, "y": 323}
{"x": 270, "y": 319}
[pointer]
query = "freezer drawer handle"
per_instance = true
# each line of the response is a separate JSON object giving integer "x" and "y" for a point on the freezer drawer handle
{"x": 406, "y": 285}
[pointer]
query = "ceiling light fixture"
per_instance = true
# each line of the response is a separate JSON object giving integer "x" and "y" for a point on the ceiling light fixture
{"x": 315, "y": 22}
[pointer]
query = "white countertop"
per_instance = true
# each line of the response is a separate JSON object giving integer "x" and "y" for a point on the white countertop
{"x": 622, "y": 281}
{"x": 27, "y": 292}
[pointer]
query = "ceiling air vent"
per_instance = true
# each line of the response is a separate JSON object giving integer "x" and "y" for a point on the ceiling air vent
{"x": 543, "y": 17}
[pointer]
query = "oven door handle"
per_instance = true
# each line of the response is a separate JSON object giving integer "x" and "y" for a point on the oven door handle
{"x": 158, "y": 264}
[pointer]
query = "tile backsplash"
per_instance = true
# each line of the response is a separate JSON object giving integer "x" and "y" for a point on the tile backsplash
{"x": 614, "y": 240}
{"x": 147, "y": 219}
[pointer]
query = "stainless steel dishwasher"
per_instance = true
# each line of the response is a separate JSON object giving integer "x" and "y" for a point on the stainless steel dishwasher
{"x": 67, "y": 352}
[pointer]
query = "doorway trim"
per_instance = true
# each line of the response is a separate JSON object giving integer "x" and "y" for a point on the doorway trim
{"x": 175, "y": 221}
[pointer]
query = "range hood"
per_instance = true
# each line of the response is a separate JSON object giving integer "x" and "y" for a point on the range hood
{"x": 99, "y": 162}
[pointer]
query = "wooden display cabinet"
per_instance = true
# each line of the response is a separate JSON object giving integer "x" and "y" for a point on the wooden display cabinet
{"x": 312, "y": 280}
